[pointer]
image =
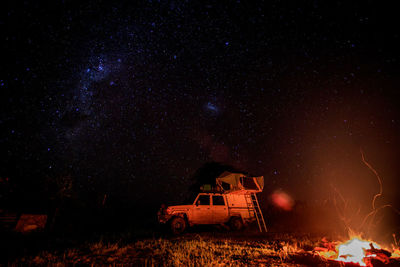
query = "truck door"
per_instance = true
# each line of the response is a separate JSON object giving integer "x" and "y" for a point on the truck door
{"x": 202, "y": 210}
{"x": 219, "y": 210}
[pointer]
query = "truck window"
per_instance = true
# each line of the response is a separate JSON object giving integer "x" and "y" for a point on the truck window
{"x": 203, "y": 200}
{"x": 218, "y": 201}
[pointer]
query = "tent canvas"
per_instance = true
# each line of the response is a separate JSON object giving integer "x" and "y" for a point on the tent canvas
{"x": 239, "y": 182}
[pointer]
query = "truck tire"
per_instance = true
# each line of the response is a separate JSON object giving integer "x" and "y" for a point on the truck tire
{"x": 178, "y": 225}
{"x": 236, "y": 224}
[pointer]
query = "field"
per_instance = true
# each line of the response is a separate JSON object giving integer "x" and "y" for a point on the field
{"x": 210, "y": 247}
{"x": 291, "y": 241}
{"x": 190, "y": 249}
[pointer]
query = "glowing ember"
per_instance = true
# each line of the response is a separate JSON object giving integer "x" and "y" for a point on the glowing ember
{"x": 330, "y": 254}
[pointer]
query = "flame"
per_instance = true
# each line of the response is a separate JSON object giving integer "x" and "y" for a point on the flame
{"x": 354, "y": 251}
{"x": 330, "y": 254}
{"x": 396, "y": 253}
{"x": 351, "y": 251}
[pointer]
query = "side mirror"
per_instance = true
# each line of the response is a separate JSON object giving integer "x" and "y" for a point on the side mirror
{"x": 197, "y": 203}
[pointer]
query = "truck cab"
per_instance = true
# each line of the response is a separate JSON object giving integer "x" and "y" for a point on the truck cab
{"x": 209, "y": 209}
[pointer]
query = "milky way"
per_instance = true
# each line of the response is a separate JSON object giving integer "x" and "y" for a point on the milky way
{"x": 137, "y": 98}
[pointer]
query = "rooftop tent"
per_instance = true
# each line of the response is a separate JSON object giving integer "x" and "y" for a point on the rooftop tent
{"x": 239, "y": 182}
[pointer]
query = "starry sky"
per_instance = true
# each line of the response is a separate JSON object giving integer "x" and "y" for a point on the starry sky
{"x": 130, "y": 99}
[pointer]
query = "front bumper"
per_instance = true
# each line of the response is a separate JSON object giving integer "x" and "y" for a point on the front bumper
{"x": 163, "y": 218}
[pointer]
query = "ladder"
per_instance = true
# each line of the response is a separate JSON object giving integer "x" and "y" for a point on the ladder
{"x": 255, "y": 211}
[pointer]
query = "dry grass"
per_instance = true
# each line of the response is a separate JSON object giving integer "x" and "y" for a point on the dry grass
{"x": 191, "y": 249}
{"x": 188, "y": 250}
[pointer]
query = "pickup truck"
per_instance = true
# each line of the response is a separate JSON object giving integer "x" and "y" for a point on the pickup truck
{"x": 229, "y": 209}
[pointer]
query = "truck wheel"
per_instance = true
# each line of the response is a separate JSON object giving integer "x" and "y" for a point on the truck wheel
{"x": 236, "y": 224}
{"x": 178, "y": 225}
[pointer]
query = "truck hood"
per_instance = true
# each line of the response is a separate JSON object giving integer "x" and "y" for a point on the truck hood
{"x": 180, "y": 208}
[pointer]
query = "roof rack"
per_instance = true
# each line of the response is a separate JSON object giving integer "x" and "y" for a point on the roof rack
{"x": 207, "y": 188}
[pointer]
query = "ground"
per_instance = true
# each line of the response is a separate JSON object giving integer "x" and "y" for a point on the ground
{"x": 197, "y": 247}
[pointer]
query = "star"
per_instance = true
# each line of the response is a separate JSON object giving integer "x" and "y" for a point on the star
{"x": 212, "y": 109}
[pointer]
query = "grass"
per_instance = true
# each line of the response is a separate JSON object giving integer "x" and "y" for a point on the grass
{"x": 187, "y": 250}
{"x": 191, "y": 249}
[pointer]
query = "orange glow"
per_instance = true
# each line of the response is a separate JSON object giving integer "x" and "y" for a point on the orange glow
{"x": 282, "y": 200}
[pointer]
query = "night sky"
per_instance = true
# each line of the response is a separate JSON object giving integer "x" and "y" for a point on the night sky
{"x": 131, "y": 99}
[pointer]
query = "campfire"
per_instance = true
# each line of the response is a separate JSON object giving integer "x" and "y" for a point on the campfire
{"x": 355, "y": 251}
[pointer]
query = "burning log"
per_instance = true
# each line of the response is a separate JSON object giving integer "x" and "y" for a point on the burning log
{"x": 378, "y": 254}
